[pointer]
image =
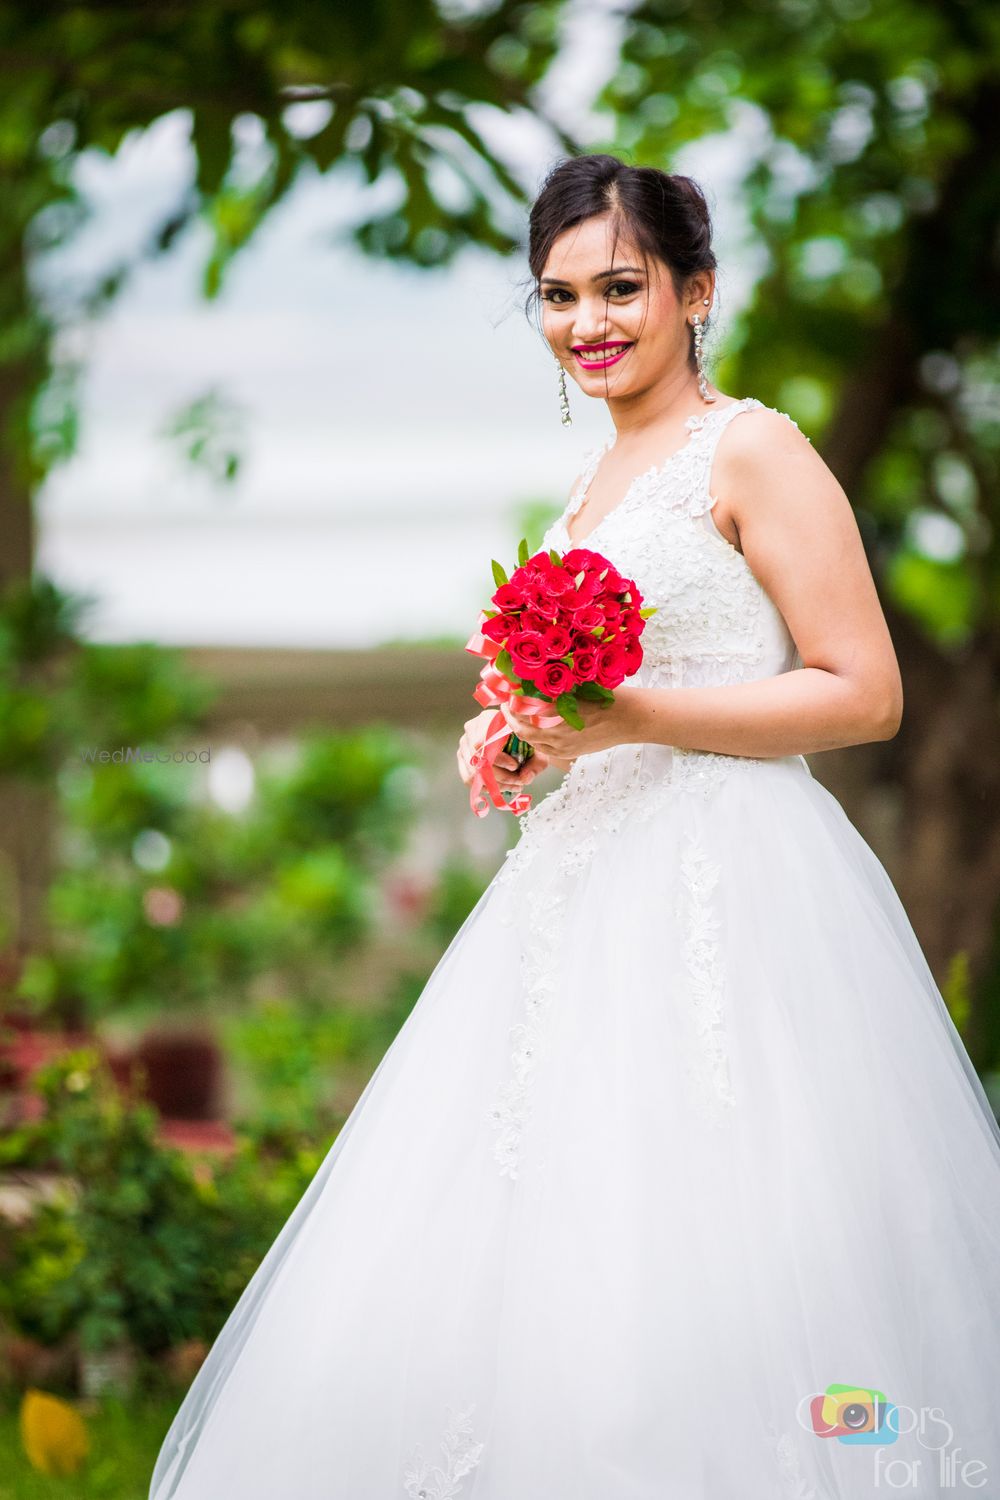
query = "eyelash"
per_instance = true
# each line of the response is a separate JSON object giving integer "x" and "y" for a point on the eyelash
{"x": 551, "y": 296}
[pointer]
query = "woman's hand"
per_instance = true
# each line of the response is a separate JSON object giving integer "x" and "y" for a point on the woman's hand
{"x": 505, "y": 767}
{"x": 604, "y": 725}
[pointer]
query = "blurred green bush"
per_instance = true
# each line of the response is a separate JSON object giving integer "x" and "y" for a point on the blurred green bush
{"x": 135, "y": 1242}
{"x": 161, "y": 898}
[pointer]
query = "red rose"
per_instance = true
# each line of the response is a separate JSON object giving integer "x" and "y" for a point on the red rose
{"x": 558, "y": 641}
{"x": 585, "y": 663}
{"x": 556, "y": 678}
{"x": 583, "y": 557}
{"x": 507, "y": 597}
{"x": 612, "y": 609}
{"x": 555, "y": 584}
{"x": 533, "y": 619}
{"x": 631, "y": 621}
{"x": 500, "y": 627}
{"x": 587, "y": 584}
{"x": 576, "y": 599}
{"x": 536, "y": 596}
{"x": 634, "y": 596}
{"x": 527, "y": 652}
{"x": 611, "y": 664}
{"x": 633, "y": 655}
{"x": 588, "y": 618}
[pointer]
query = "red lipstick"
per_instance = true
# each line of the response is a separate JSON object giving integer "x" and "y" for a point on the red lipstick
{"x": 619, "y": 345}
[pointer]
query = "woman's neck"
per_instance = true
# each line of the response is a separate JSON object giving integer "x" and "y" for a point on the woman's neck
{"x": 662, "y": 407}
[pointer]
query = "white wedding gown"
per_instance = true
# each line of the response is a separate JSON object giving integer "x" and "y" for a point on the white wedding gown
{"x": 678, "y": 1134}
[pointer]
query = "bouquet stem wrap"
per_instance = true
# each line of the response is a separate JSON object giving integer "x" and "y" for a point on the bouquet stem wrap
{"x": 494, "y": 690}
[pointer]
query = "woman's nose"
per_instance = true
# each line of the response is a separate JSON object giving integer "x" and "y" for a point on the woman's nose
{"x": 590, "y": 324}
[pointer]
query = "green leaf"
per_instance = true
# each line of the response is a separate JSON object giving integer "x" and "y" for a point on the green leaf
{"x": 499, "y": 576}
{"x": 504, "y": 663}
{"x": 649, "y": 610}
{"x": 522, "y": 551}
{"x": 566, "y": 705}
{"x": 491, "y": 614}
{"x": 555, "y": 556}
{"x": 594, "y": 692}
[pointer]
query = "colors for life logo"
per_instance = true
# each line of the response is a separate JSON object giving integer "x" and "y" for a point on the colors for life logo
{"x": 859, "y": 1415}
{"x": 854, "y": 1415}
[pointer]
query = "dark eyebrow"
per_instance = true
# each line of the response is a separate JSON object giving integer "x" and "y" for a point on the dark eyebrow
{"x": 601, "y": 275}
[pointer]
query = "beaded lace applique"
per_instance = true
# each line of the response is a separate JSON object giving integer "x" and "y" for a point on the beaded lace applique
{"x": 787, "y": 1453}
{"x": 700, "y": 924}
{"x": 539, "y": 954}
{"x": 424, "y": 1480}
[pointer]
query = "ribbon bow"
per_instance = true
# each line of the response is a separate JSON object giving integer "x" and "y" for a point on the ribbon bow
{"x": 494, "y": 690}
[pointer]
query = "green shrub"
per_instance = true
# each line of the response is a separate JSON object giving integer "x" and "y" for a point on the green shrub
{"x": 135, "y": 1243}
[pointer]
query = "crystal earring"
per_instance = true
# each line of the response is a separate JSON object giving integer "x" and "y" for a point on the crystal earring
{"x": 699, "y": 358}
{"x": 567, "y": 420}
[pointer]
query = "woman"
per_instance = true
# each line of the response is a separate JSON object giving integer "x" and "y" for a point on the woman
{"x": 677, "y": 1183}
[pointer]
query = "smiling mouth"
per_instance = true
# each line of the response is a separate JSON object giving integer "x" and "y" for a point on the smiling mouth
{"x": 599, "y": 356}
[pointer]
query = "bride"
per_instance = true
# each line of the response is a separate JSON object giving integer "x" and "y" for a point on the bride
{"x": 678, "y": 1182}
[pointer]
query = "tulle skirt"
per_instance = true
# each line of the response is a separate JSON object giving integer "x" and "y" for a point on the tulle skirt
{"x": 678, "y": 1139}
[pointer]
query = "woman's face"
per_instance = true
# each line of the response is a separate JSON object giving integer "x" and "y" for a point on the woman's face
{"x": 638, "y": 314}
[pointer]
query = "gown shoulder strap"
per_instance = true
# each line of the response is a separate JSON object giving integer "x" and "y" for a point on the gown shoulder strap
{"x": 708, "y": 429}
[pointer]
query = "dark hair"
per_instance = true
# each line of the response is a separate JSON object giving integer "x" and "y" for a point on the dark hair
{"x": 664, "y": 213}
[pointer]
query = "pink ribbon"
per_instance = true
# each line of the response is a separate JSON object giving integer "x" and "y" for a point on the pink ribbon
{"x": 494, "y": 690}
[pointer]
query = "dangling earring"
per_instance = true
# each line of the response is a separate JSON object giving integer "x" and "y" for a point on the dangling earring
{"x": 567, "y": 420}
{"x": 699, "y": 358}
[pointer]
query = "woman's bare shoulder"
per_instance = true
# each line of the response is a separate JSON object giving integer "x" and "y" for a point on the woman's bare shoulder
{"x": 767, "y": 473}
{"x": 761, "y": 432}
{"x": 763, "y": 447}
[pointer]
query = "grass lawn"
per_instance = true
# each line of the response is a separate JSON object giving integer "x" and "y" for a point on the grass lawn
{"x": 124, "y": 1441}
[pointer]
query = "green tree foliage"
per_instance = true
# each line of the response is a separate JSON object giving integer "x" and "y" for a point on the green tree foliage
{"x": 403, "y": 92}
{"x": 872, "y": 182}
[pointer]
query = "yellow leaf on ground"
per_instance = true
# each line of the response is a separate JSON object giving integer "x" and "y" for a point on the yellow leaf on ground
{"x": 53, "y": 1433}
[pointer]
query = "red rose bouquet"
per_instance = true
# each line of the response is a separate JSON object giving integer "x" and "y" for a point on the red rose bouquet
{"x": 565, "y": 628}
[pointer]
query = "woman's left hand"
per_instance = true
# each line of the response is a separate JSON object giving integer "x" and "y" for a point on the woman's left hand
{"x": 604, "y": 725}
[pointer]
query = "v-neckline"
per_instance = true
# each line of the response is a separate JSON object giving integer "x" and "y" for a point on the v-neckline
{"x": 694, "y": 424}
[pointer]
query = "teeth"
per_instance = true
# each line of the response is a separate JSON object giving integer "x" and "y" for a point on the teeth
{"x": 601, "y": 355}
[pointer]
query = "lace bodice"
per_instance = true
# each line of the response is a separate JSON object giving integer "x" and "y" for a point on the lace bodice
{"x": 714, "y": 625}
{"x": 714, "y": 622}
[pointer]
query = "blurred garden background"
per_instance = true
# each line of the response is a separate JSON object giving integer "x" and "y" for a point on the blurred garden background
{"x": 268, "y": 405}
